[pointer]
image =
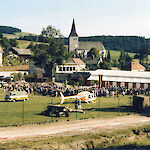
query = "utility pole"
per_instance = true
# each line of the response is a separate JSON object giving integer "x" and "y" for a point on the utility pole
{"x": 23, "y": 112}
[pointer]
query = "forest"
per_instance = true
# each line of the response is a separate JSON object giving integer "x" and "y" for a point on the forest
{"x": 9, "y": 30}
{"x": 132, "y": 44}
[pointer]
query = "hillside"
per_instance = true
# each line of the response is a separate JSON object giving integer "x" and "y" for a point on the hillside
{"x": 130, "y": 44}
{"x": 17, "y": 35}
{"x": 9, "y": 30}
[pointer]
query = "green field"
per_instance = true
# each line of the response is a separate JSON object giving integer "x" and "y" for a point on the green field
{"x": 11, "y": 113}
{"x": 116, "y": 54}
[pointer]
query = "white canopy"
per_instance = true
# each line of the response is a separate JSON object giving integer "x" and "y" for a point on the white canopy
{"x": 121, "y": 76}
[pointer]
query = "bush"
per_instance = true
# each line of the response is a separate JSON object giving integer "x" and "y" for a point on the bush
{"x": 31, "y": 77}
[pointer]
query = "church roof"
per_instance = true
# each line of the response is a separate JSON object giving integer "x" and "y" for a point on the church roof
{"x": 87, "y": 45}
{"x": 73, "y": 29}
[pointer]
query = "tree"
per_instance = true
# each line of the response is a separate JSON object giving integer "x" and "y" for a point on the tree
{"x": 105, "y": 65}
{"x": 124, "y": 60}
{"x": 13, "y": 42}
{"x": 108, "y": 56}
{"x": 6, "y": 45}
{"x": 51, "y": 32}
{"x": 1, "y": 35}
{"x": 49, "y": 55}
{"x": 144, "y": 52}
{"x": 93, "y": 52}
{"x": 81, "y": 80}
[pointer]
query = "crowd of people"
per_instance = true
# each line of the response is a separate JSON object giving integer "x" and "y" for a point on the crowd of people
{"x": 53, "y": 89}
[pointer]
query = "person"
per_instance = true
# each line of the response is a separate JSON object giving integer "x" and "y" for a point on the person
{"x": 79, "y": 104}
{"x": 76, "y": 104}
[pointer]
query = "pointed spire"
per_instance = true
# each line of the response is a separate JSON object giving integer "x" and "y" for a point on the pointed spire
{"x": 73, "y": 29}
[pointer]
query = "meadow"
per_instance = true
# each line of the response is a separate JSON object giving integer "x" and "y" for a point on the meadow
{"x": 29, "y": 112}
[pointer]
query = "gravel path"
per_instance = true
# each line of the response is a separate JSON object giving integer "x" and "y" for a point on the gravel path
{"x": 26, "y": 131}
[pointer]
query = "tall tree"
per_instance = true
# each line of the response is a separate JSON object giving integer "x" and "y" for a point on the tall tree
{"x": 144, "y": 52}
{"x": 108, "y": 56}
{"x": 124, "y": 60}
{"x": 93, "y": 52}
{"x": 54, "y": 53}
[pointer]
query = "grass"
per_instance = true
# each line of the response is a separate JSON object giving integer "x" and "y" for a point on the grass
{"x": 24, "y": 44}
{"x": 116, "y": 54}
{"x": 12, "y": 113}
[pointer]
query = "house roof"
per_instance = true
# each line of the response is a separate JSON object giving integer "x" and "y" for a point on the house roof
{"x": 90, "y": 61}
{"x": 87, "y": 45}
{"x": 14, "y": 68}
{"x": 78, "y": 61}
{"x": 73, "y": 30}
{"x": 74, "y": 61}
{"x": 137, "y": 66}
{"x": 22, "y": 51}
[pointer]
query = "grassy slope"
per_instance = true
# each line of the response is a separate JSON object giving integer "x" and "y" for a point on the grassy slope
{"x": 17, "y": 35}
{"x": 115, "y": 55}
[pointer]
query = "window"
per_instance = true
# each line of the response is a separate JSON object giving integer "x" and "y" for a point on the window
{"x": 63, "y": 68}
{"x": 60, "y": 68}
{"x": 118, "y": 84}
{"x": 110, "y": 83}
{"x": 70, "y": 68}
{"x": 103, "y": 83}
{"x": 73, "y": 68}
{"x": 67, "y": 68}
{"x": 141, "y": 85}
{"x": 126, "y": 84}
{"x": 134, "y": 85}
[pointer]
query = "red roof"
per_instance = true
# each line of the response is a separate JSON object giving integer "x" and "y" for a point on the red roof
{"x": 78, "y": 61}
{"x": 137, "y": 66}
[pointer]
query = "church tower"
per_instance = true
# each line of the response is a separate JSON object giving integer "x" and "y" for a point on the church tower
{"x": 73, "y": 38}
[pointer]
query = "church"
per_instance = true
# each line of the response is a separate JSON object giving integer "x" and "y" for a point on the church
{"x": 82, "y": 47}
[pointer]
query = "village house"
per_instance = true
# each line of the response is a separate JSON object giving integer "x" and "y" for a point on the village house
{"x": 74, "y": 65}
{"x": 20, "y": 53}
{"x": 136, "y": 66}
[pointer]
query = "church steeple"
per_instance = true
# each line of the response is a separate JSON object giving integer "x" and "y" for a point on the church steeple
{"x": 73, "y": 30}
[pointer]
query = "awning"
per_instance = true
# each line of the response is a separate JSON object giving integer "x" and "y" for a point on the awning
{"x": 120, "y": 79}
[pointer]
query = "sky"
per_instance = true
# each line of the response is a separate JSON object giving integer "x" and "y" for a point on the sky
{"x": 92, "y": 17}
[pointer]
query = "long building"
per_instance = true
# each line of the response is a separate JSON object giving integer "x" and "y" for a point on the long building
{"x": 118, "y": 78}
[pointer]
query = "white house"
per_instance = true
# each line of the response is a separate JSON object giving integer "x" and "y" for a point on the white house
{"x": 74, "y": 65}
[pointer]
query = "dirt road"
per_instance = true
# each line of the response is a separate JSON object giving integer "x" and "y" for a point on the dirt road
{"x": 89, "y": 125}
